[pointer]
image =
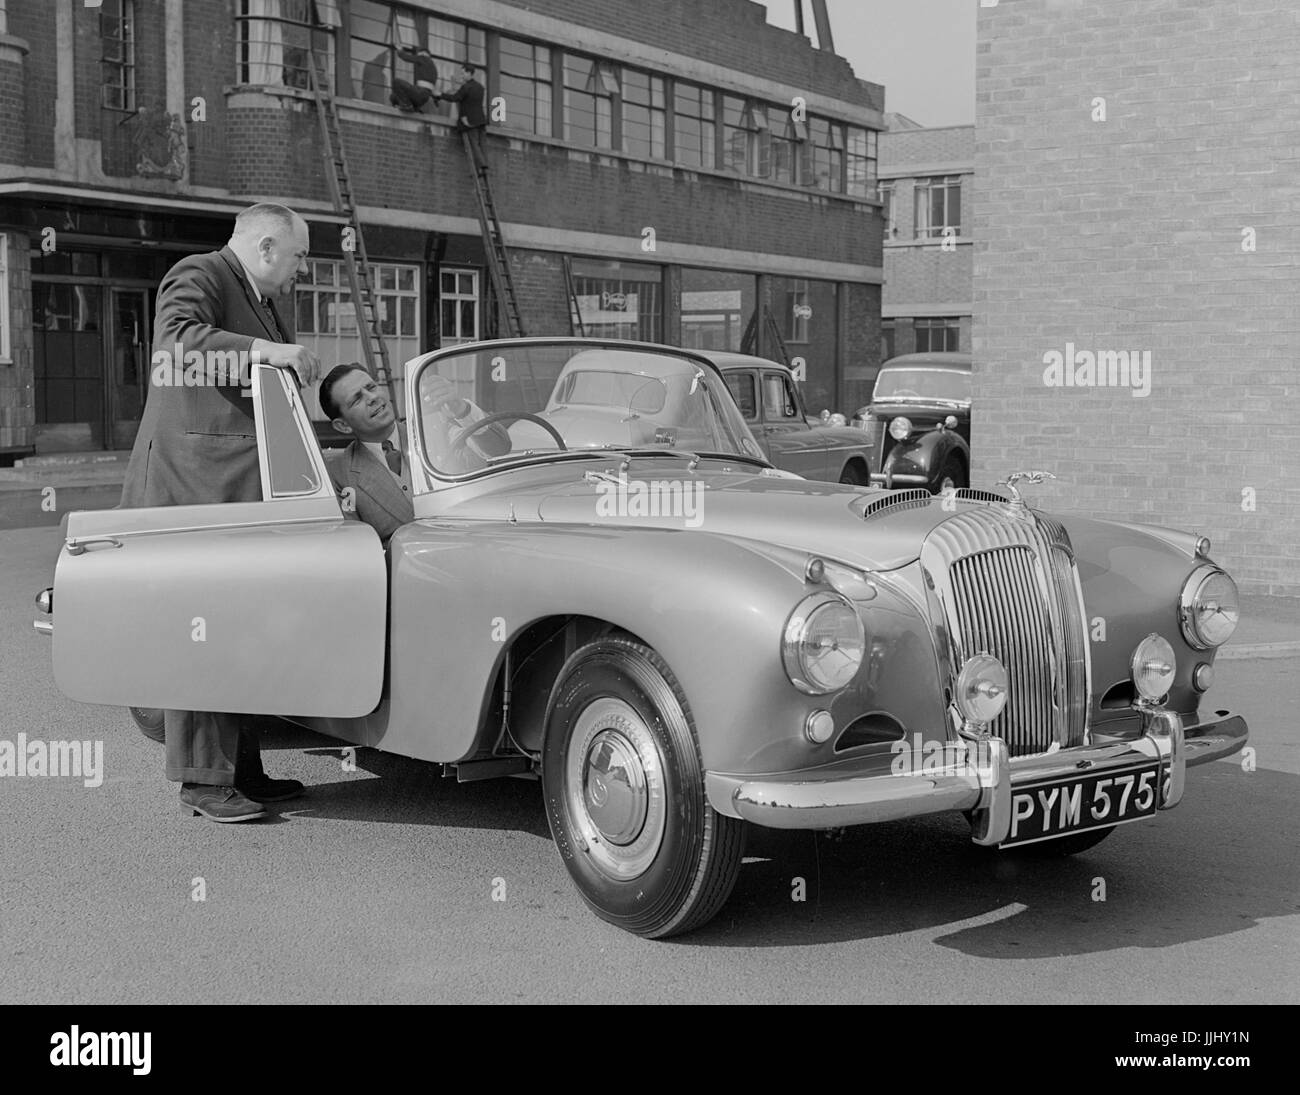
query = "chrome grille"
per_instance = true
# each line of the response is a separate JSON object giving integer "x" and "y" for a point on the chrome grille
{"x": 1004, "y": 583}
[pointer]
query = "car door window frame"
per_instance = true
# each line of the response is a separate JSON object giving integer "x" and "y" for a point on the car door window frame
{"x": 788, "y": 396}
{"x": 281, "y": 380}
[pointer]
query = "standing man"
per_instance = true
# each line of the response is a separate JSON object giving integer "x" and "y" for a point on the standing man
{"x": 471, "y": 116}
{"x": 197, "y": 444}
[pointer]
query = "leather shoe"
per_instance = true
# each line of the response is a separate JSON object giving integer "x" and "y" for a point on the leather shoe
{"x": 219, "y": 803}
{"x": 265, "y": 789}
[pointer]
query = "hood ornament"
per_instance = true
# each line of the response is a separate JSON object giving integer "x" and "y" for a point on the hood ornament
{"x": 1015, "y": 477}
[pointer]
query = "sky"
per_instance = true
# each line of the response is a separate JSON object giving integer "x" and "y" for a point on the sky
{"x": 923, "y": 51}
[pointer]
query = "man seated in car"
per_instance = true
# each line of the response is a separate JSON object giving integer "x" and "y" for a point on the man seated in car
{"x": 373, "y": 467}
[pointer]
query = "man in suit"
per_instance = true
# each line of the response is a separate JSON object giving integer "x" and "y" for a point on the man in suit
{"x": 373, "y": 466}
{"x": 470, "y": 116}
{"x": 197, "y": 444}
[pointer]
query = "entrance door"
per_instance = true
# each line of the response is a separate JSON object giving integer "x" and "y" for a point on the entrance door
{"x": 128, "y": 363}
{"x": 68, "y": 339}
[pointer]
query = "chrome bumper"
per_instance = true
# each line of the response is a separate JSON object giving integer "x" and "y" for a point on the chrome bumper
{"x": 908, "y": 478}
{"x": 985, "y": 788}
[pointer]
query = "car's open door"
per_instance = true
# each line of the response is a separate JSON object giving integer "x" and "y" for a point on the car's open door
{"x": 275, "y": 607}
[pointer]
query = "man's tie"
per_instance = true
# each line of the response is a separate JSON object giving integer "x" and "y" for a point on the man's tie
{"x": 275, "y": 323}
{"x": 394, "y": 458}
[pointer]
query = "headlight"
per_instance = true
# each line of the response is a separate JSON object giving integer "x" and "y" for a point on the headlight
{"x": 981, "y": 689}
{"x": 823, "y": 644}
{"x": 900, "y": 428}
{"x": 1208, "y": 608}
{"x": 1153, "y": 668}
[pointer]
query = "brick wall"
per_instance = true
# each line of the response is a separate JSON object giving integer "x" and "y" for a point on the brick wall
{"x": 945, "y": 144}
{"x": 927, "y": 274}
{"x": 1127, "y": 233}
{"x": 209, "y": 36}
{"x": 16, "y": 394}
{"x": 13, "y": 143}
{"x": 34, "y": 23}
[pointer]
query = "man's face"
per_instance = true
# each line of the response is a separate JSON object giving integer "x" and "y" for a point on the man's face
{"x": 283, "y": 259}
{"x": 364, "y": 407}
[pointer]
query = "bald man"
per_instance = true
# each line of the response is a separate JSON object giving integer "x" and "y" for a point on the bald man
{"x": 197, "y": 444}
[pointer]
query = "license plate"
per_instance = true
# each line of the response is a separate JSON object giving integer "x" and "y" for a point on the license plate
{"x": 1041, "y": 811}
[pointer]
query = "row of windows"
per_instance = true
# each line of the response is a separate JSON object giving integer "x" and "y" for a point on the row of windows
{"x": 933, "y": 334}
{"x": 936, "y": 208}
{"x": 549, "y": 91}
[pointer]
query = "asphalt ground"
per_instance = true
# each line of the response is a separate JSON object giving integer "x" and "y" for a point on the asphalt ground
{"x": 379, "y": 886}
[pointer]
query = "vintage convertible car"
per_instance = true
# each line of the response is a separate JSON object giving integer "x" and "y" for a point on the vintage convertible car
{"x": 678, "y": 638}
{"x": 918, "y": 421}
{"x": 773, "y": 408}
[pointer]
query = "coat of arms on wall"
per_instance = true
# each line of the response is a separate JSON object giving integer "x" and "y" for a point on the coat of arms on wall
{"x": 160, "y": 144}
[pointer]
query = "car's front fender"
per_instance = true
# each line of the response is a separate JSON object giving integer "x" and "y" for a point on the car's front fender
{"x": 713, "y": 608}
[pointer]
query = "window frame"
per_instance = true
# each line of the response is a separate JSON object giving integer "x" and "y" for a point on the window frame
{"x": 458, "y": 298}
{"x": 118, "y": 76}
{"x": 926, "y": 188}
{"x": 944, "y": 325}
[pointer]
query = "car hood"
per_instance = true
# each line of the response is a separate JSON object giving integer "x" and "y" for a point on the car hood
{"x": 918, "y": 413}
{"x": 765, "y": 507}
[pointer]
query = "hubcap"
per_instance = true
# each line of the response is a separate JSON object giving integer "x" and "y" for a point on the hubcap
{"x": 614, "y": 788}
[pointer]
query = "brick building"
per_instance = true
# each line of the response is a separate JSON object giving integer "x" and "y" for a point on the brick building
{"x": 925, "y": 182}
{"x": 131, "y": 132}
{"x": 1136, "y": 272}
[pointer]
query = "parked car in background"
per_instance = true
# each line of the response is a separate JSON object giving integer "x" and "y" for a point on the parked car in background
{"x": 678, "y": 639}
{"x": 791, "y": 438}
{"x": 918, "y": 422}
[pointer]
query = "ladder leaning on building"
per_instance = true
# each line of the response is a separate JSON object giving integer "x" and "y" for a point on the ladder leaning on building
{"x": 355, "y": 259}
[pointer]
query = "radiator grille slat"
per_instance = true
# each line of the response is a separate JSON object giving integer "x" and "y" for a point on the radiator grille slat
{"x": 1012, "y": 591}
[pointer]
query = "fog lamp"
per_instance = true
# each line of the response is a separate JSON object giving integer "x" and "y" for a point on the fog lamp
{"x": 900, "y": 429}
{"x": 981, "y": 689}
{"x": 1153, "y": 668}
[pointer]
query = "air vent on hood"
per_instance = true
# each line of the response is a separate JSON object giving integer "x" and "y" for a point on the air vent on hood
{"x": 974, "y": 494}
{"x": 912, "y": 499}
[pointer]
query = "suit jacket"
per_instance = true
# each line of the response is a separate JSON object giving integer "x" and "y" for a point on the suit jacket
{"x": 197, "y": 441}
{"x": 469, "y": 101}
{"x": 380, "y": 502}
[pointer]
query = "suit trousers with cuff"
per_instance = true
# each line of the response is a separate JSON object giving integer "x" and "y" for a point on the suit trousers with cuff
{"x": 205, "y": 746}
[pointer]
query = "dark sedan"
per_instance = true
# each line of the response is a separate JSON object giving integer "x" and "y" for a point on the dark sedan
{"x": 918, "y": 421}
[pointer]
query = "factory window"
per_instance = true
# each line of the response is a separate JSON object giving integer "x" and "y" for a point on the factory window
{"x": 938, "y": 207}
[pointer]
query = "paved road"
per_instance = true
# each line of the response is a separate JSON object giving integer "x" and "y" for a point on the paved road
{"x": 378, "y": 887}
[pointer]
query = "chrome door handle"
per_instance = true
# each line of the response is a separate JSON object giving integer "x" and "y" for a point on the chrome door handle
{"x": 78, "y": 547}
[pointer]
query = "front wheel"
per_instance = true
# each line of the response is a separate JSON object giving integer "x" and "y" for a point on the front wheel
{"x": 624, "y": 788}
{"x": 150, "y": 722}
{"x": 855, "y": 476}
{"x": 951, "y": 476}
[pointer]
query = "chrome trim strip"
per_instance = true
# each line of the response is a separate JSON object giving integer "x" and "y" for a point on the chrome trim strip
{"x": 45, "y": 627}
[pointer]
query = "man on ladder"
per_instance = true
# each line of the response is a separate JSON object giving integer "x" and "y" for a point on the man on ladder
{"x": 471, "y": 117}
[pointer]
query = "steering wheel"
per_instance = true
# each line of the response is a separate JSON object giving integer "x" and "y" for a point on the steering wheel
{"x": 904, "y": 391}
{"x": 458, "y": 445}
